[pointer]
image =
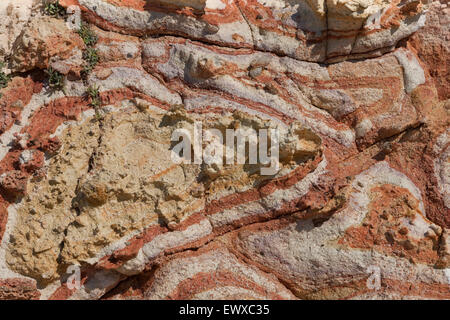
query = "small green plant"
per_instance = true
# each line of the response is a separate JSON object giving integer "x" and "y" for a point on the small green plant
{"x": 55, "y": 79}
{"x": 4, "y": 79}
{"x": 90, "y": 56}
{"x": 94, "y": 94}
{"x": 88, "y": 36}
{"x": 54, "y": 9}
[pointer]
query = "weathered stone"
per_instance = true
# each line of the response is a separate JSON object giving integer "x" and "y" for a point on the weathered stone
{"x": 13, "y": 17}
{"x": 18, "y": 289}
{"x": 45, "y": 40}
{"x": 87, "y": 176}
{"x": 210, "y": 273}
{"x": 433, "y": 45}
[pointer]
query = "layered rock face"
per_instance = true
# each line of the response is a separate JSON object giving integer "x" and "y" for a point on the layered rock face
{"x": 357, "y": 90}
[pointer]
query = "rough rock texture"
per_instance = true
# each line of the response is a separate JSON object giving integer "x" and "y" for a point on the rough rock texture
{"x": 357, "y": 89}
{"x": 433, "y": 46}
{"x": 13, "y": 17}
{"x": 42, "y": 39}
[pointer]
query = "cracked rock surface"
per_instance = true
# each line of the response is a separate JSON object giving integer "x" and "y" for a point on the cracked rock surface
{"x": 357, "y": 89}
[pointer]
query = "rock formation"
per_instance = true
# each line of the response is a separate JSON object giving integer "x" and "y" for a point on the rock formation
{"x": 357, "y": 89}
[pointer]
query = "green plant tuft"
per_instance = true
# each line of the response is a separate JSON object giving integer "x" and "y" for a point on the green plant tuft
{"x": 88, "y": 36}
{"x": 54, "y": 9}
{"x": 94, "y": 94}
{"x": 4, "y": 79}
{"x": 93, "y": 91}
{"x": 55, "y": 79}
{"x": 90, "y": 56}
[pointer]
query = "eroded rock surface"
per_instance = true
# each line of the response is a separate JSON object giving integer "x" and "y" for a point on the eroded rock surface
{"x": 356, "y": 89}
{"x": 13, "y": 16}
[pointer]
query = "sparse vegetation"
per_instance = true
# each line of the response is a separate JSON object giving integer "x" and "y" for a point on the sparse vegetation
{"x": 90, "y": 56}
{"x": 94, "y": 94}
{"x": 4, "y": 79}
{"x": 55, "y": 79}
{"x": 91, "y": 59}
{"x": 54, "y": 9}
{"x": 88, "y": 36}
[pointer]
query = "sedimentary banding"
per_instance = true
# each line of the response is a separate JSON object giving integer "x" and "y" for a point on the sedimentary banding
{"x": 326, "y": 267}
{"x": 304, "y": 30}
{"x": 89, "y": 181}
{"x": 212, "y": 272}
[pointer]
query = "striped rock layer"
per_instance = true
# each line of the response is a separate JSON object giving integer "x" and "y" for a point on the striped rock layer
{"x": 357, "y": 89}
